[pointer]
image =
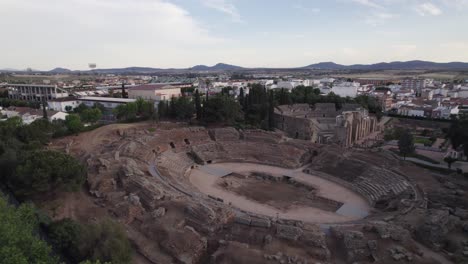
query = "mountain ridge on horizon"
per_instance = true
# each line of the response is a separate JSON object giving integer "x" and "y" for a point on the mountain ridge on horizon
{"x": 394, "y": 65}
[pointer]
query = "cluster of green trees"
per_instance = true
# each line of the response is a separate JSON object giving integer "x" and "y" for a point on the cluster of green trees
{"x": 138, "y": 110}
{"x": 220, "y": 108}
{"x": 95, "y": 243}
{"x": 181, "y": 108}
{"x": 104, "y": 241}
{"x": 19, "y": 242}
{"x": 458, "y": 133}
{"x": 29, "y": 170}
{"x": 254, "y": 109}
{"x": 258, "y": 107}
{"x": 6, "y": 102}
{"x": 406, "y": 143}
{"x": 82, "y": 114}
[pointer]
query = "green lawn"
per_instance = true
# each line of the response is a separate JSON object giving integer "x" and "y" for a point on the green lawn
{"x": 424, "y": 141}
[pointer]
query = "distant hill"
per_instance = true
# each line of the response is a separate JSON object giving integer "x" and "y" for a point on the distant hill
{"x": 326, "y": 66}
{"x": 128, "y": 70}
{"x": 8, "y": 70}
{"x": 396, "y": 65}
{"x": 217, "y": 67}
{"x": 60, "y": 70}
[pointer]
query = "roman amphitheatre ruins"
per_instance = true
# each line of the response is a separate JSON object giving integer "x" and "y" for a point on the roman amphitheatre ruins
{"x": 190, "y": 194}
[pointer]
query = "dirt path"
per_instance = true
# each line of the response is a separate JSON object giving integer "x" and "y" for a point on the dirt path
{"x": 206, "y": 183}
{"x": 428, "y": 253}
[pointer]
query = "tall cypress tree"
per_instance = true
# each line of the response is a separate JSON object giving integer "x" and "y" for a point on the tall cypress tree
{"x": 271, "y": 111}
{"x": 198, "y": 107}
{"x": 306, "y": 95}
{"x": 241, "y": 97}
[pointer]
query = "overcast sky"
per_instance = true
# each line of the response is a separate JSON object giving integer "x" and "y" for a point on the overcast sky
{"x": 43, "y": 34}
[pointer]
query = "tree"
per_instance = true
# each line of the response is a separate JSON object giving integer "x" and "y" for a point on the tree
{"x": 198, "y": 107}
{"x": 73, "y": 123}
{"x": 406, "y": 144}
{"x": 80, "y": 108}
{"x": 241, "y": 97}
{"x": 223, "y": 109}
{"x": 126, "y": 111}
{"x": 105, "y": 241}
{"x": 163, "y": 109}
{"x": 284, "y": 97}
{"x": 100, "y": 107}
{"x": 40, "y": 130}
{"x": 184, "y": 108}
{"x": 271, "y": 111}
{"x": 45, "y": 171}
{"x": 145, "y": 109}
{"x": 449, "y": 160}
{"x": 64, "y": 236}
{"x": 458, "y": 133}
{"x": 91, "y": 115}
{"x": 102, "y": 242}
{"x": 68, "y": 108}
{"x": 465, "y": 149}
{"x": 18, "y": 241}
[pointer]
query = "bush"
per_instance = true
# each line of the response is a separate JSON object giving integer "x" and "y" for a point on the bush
{"x": 65, "y": 236}
{"x": 18, "y": 242}
{"x": 47, "y": 171}
{"x": 98, "y": 242}
{"x": 106, "y": 241}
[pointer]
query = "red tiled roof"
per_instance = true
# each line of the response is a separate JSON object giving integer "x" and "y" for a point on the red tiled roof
{"x": 27, "y": 110}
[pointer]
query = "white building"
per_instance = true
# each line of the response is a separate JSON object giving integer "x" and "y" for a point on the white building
{"x": 414, "y": 84}
{"x": 311, "y": 82}
{"x": 35, "y": 92}
{"x": 61, "y": 104}
{"x": 29, "y": 115}
{"x": 416, "y": 112}
{"x": 154, "y": 92}
{"x": 394, "y": 87}
{"x": 327, "y": 80}
{"x": 107, "y": 102}
{"x": 463, "y": 93}
{"x": 289, "y": 85}
{"x": 346, "y": 89}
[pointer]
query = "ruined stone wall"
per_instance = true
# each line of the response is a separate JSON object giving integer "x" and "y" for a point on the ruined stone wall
{"x": 257, "y": 135}
{"x": 353, "y": 126}
{"x": 295, "y": 127}
{"x": 224, "y": 134}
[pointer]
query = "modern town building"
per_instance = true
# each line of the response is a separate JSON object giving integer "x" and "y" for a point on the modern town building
{"x": 35, "y": 92}
{"x": 154, "y": 92}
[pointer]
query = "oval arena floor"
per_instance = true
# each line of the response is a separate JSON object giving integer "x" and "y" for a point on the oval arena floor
{"x": 207, "y": 180}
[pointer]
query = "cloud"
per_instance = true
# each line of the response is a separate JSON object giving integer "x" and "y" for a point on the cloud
{"x": 306, "y": 9}
{"x": 377, "y": 19}
{"x": 224, "y": 6}
{"x": 109, "y": 32}
{"x": 368, "y": 3}
{"x": 425, "y": 9}
{"x": 459, "y": 4}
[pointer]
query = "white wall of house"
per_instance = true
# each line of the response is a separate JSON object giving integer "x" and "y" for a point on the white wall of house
{"x": 155, "y": 95}
{"x": 347, "y": 89}
{"x": 415, "y": 112}
{"x": 58, "y": 116}
{"x": 62, "y": 105}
